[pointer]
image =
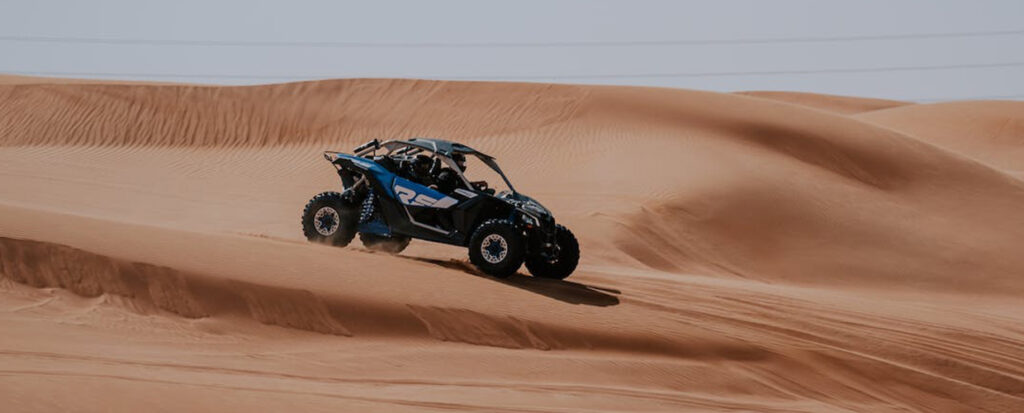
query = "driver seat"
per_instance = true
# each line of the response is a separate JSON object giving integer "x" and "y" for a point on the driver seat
{"x": 387, "y": 162}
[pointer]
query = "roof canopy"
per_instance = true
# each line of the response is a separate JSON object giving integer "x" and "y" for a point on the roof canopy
{"x": 444, "y": 147}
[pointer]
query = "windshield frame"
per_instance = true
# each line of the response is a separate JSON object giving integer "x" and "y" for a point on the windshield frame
{"x": 489, "y": 161}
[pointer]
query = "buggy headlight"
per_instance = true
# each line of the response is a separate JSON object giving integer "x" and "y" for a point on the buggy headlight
{"x": 528, "y": 219}
{"x": 534, "y": 208}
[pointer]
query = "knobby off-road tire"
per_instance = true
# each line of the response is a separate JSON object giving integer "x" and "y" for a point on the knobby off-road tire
{"x": 330, "y": 218}
{"x": 564, "y": 264}
{"x": 497, "y": 248}
{"x": 390, "y": 245}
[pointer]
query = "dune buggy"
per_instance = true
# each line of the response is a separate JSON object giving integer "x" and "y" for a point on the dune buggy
{"x": 398, "y": 190}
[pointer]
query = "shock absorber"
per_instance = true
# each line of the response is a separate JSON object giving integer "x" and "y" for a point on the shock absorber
{"x": 366, "y": 214}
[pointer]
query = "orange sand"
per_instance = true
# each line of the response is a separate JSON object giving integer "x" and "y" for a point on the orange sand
{"x": 741, "y": 252}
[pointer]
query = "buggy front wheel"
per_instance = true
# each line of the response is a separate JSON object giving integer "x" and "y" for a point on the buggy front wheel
{"x": 562, "y": 263}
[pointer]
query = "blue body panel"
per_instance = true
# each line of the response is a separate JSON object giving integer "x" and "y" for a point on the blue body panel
{"x": 401, "y": 202}
{"x": 414, "y": 194}
{"x": 384, "y": 176}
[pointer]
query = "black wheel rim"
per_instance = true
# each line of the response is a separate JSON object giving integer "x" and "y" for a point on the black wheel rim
{"x": 326, "y": 221}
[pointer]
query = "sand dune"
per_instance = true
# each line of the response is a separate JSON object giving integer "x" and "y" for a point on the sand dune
{"x": 754, "y": 252}
{"x": 843, "y": 105}
{"x": 989, "y": 132}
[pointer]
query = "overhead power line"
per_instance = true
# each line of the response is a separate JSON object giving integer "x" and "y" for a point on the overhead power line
{"x": 987, "y": 97}
{"x": 770, "y": 72}
{"x": 625, "y": 43}
{"x": 537, "y": 77}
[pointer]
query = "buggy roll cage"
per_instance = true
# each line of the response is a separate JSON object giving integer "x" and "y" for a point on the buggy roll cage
{"x": 437, "y": 148}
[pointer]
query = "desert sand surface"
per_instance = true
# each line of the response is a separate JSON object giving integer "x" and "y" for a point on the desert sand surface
{"x": 765, "y": 252}
{"x": 843, "y": 105}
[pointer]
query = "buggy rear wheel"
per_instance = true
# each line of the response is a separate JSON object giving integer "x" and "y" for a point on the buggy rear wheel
{"x": 497, "y": 248}
{"x": 330, "y": 218}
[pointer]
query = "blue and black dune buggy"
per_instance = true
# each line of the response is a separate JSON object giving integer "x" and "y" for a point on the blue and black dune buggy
{"x": 417, "y": 189}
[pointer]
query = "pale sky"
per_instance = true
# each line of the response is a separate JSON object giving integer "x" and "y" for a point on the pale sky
{"x": 901, "y": 49}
